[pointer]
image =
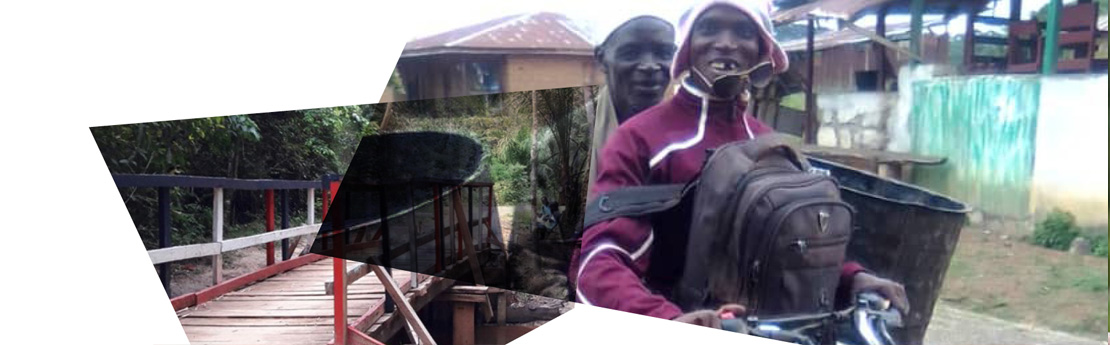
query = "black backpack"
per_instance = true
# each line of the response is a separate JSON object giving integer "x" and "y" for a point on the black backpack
{"x": 765, "y": 229}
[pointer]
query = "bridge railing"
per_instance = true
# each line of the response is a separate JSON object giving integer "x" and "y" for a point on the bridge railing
{"x": 168, "y": 253}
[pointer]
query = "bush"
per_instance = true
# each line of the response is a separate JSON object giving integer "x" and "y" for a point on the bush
{"x": 1056, "y": 231}
{"x": 1098, "y": 245}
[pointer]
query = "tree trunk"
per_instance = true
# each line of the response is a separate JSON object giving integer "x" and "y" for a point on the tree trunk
{"x": 385, "y": 118}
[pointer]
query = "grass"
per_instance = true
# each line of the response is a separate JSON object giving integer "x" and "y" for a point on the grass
{"x": 1017, "y": 281}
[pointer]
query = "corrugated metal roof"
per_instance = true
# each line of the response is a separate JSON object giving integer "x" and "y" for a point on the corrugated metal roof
{"x": 846, "y": 36}
{"x": 833, "y": 8}
{"x": 546, "y": 32}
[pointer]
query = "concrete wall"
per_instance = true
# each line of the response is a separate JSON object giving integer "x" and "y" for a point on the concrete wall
{"x": 538, "y": 72}
{"x": 1070, "y": 170}
{"x": 855, "y": 120}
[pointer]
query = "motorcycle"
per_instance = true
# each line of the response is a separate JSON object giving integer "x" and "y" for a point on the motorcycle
{"x": 864, "y": 323}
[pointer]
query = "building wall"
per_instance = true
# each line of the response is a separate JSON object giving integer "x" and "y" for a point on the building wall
{"x": 538, "y": 72}
{"x": 985, "y": 126}
{"x": 855, "y": 120}
{"x": 1070, "y": 171}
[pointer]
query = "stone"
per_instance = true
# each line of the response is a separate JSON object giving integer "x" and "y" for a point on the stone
{"x": 826, "y": 136}
{"x": 1080, "y": 246}
{"x": 975, "y": 217}
{"x": 872, "y": 139}
{"x": 844, "y": 138}
{"x": 872, "y": 118}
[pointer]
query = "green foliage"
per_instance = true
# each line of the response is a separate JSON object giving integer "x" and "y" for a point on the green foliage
{"x": 1098, "y": 245}
{"x": 295, "y": 145}
{"x": 510, "y": 168}
{"x": 1056, "y": 231}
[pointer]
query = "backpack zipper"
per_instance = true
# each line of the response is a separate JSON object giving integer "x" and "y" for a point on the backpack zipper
{"x": 777, "y": 224}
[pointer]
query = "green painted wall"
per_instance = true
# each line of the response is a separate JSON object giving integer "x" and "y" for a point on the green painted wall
{"x": 985, "y": 126}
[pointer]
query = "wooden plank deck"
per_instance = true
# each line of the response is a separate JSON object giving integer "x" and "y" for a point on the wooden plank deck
{"x": 289, "y": 308}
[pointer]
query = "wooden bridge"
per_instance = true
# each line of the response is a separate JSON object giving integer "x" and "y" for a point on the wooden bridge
{"x": 307, "y": 298}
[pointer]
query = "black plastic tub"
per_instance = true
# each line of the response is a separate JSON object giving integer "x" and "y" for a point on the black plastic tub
{"x": 904, "y": 233}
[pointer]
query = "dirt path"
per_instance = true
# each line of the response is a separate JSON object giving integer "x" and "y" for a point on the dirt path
{"x": 955, "y": 326}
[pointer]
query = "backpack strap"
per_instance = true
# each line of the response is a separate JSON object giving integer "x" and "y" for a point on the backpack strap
{"x": 635, "y": 201}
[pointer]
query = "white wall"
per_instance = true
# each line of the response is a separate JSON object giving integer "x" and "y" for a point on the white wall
{"x": 1070, "y": 169}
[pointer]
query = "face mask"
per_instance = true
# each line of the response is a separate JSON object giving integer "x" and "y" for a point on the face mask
{"x": 734, "y": 83}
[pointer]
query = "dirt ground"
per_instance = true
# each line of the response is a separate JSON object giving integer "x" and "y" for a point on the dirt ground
{"x": 994, "y": 273}
{"x": 196, "y": 274}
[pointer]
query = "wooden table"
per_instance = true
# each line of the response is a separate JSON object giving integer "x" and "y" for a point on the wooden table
{"x": 896, "y": 165}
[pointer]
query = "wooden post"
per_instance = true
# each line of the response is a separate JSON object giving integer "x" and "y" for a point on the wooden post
{"x": 164, "y": 225}
{"x": 285, "y": 251}
{"x": 1051, "y": 32}
{"x": 917, "y": 10}
{"x": 463, "y": 323}
{"x": 339, "y": 295}
{"x": 387, "y": 255}
{"x": 470, "y": 212}
{"x": 489, "y": 216}
{"x": 456, "y": 198}
{"x": 437, "y": 214}
{"x": 269, "y": 225}
{"x": 969, "y": 38}
{"x": 393, "y": 291}
{"x": 414, "y": 246}
{"x": 1015, "y": 10}
{"x": 310, "y": 210}
{"x": 880, "y": 29}
{"x": 217, "y": 233}
{"x": 811, "y": 111}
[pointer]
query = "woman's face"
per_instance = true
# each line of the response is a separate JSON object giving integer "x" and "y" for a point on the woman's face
{"x": 723, "y": 39}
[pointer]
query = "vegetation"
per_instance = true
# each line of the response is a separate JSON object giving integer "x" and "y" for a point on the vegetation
{"x": 1056, "y": 231}
{"x": 295, "y": 145}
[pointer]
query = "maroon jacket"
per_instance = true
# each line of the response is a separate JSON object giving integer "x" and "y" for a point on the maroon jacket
{"x": 664, "y": 144}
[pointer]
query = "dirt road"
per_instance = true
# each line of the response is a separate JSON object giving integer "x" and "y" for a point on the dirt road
{"x": 954, "y": 326}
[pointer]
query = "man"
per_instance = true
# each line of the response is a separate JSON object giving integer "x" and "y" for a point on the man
{"x": 627, "y": 265}
{"x": 636, "y": 59}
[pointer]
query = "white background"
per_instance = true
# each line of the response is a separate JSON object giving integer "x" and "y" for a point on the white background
{"x": 74, "y": 270}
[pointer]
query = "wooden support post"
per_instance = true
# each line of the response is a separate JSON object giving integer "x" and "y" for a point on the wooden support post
{"x": 811, "y": 112}
{"x": 467, "y": 243}
{"x": 387, "y": 246}
{"x": 969, "y": 39}
{"x": 880, "y": 30}
{"x": 414, "y": 240}
{"x": 164, "y": 226}
{"x": 1015, "y": 10}
{"x": 393, "y": 291}
{"x": 339, "y": 295}
{"x": 470, "y": 212}
{"x": 285, "y": 251}
{"x": 464, "y": 323}
{"x": 917, "y": 11}
{"x": 269, "y": 225}
{"x": 310, "y": 208}
{"x": 217, "y": 233}
{"x": 502, "y": 307}
{"x": 489, "y": 216}
{"x": 437, "y": 214}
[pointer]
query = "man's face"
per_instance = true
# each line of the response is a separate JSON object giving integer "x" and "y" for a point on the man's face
{"x": 723, "y": 39}
{"x": 637, "y": 63}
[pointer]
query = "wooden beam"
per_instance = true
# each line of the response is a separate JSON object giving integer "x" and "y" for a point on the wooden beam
{"x": 502, "y": 308}
{"x": 217, "y": 234}
{"x": 435, "y": 286}
{"x": 464, "y": 233}
{"x": 406, "y": 309}
{"x": 881, "y": 40}
{"x": 184, "y": 301}
{"x": 463, "y": 324}
{"x": 461, "y": 297}
{"x": 247, "y": 241}
{"x": 163, "y": 255}
{"x": 358, "y": 338}
{"x": 269, "y": 225}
